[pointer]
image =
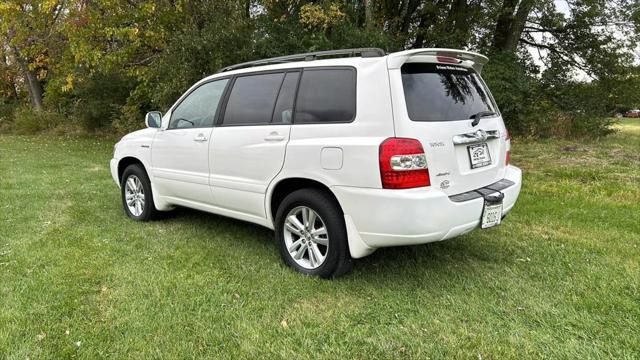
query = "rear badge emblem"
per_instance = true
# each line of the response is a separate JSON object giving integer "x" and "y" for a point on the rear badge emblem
{"x": 445, "y": 184}
{"x": 481, "y": 135}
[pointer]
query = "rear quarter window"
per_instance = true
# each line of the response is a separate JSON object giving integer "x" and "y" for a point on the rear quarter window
{"x": 326, "y": 96}
{"x": 436, "y": 92}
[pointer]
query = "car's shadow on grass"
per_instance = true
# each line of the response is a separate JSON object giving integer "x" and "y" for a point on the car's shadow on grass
{"x": 213, "y": 222}
{"x": 451, "y": 258}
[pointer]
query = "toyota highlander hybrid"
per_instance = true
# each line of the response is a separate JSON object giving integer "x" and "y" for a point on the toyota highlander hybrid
{"x": 340, "y": 152}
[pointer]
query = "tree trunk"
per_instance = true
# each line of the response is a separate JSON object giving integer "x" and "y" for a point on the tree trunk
{"x": 14, "y": 87}
{"x": 510, "y": 24}
{"x": 35, "y": 90}
{"x": 419, "y": 41}
{"x": 368, "y": 14}
{"x": 458, "y": 23}
{"x": 33, "y": 84}
{"x": 427, "y": 20}
{"x": 407, "y": 14}
{"x": 519, "y": 22}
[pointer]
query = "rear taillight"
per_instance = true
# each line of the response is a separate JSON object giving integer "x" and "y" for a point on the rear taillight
{"x": 448, "y": 60}
{"x": 507, "y": 144}
{"x": 403, "y": 164}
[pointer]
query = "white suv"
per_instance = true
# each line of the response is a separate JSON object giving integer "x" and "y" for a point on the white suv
{"x": 340, "y": 152}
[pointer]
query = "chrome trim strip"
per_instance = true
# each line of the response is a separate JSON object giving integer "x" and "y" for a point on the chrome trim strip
{"x": 476, "y": 137}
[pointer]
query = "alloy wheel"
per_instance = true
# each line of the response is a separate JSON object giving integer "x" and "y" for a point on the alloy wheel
{"x": 134, "y": 195}
{"x": 306, "y": 237}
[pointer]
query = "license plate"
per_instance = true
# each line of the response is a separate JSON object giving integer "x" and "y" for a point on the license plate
{"x": 479, "y": 155}
{"x": 491, "y": 214}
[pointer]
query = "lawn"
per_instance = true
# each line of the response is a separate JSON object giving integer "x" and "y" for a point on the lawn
{"x": 559, "y": 279}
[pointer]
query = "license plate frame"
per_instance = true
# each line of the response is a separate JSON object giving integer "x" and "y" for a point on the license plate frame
{"x": 479, "y": 155}
{"x": 491, "y": 214}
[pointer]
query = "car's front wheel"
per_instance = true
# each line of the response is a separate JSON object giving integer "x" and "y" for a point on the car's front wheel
{"x": 311, "y": 234}
{"x": 137, "y": 198}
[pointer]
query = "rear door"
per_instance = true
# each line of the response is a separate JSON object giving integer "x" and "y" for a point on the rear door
{"x": 248, "y": 145}
{"x": 436, "y": 102}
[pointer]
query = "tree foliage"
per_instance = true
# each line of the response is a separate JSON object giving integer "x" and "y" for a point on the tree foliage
{"x": 557, "y": 68}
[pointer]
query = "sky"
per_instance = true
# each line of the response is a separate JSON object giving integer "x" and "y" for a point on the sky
{"x": 562, "y": 6}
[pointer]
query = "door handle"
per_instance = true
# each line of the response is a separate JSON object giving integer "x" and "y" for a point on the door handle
{"x": 200, "y": 138}
{"x": 274, "y": 136}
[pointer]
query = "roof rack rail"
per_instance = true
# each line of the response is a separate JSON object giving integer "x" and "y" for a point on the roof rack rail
{"x": 362, "y": 52}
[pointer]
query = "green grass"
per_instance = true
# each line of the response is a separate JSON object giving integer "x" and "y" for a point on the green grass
{"x": 559, "y": 279}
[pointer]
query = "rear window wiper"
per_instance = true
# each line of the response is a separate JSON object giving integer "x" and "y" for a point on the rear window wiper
{"x": 481, "y": 114}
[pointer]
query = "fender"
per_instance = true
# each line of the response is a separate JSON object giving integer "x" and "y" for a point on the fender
{"x": 137, "y": 145}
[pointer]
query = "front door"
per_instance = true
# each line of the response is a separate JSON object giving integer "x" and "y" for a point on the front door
{"x": 249, "y": 143}
{"x": 180, "y": 153}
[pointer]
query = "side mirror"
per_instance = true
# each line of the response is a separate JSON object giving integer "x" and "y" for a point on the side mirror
{"x": 153, "y": 119}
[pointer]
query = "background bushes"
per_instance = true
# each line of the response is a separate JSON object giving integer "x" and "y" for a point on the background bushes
{"x": 101, "y": 65}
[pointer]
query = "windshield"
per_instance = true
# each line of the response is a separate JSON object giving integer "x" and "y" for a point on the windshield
{"x": 436, "y": 92}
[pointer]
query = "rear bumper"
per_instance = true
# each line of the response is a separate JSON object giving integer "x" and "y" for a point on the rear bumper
{"x": 414, "y": 216}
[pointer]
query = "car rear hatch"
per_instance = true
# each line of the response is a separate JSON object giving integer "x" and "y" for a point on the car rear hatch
{"x": 437, "y": 95}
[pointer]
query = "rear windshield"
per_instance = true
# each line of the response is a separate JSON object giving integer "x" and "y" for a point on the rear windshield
{"x": 436, "y": 92}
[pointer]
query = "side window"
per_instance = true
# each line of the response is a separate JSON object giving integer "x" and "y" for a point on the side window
{"x": 252, "y": 99}
{"x": 283, "y": 112}
{"x": 198, "y": 109}
{"x": 326, "y": 95}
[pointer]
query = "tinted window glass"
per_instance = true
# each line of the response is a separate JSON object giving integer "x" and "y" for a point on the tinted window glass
{"x": 252, "y": 99}
{"x": 199, "y": 108}
{"x": 283, "y": 111}
{"x": 435, "y": 92}
{"x": 326, "y": 95}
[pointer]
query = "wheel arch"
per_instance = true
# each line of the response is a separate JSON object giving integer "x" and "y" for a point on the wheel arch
{"x": 160, "y": 203}
{"x": 288, "y": 185}
{"x": 357, "y": 247}
{"x": 125, "y": 162}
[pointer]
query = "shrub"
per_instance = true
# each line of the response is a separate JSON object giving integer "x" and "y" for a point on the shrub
{"x": 130, "y": 119}
{"x": 29, "y": 121}
{"x": 99, "y": 98}
{"x": 514, "y": 91}
{"x": 533, "y": 107}
{"x": 6, "y": 115}
{"x": 591, "y": 126}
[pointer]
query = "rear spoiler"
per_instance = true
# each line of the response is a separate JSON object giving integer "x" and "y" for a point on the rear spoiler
{"x": 475, "y": 60}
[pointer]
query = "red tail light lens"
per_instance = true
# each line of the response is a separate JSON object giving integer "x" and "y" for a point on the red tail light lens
{"x": 507, "y": 139}
{"x": 448, "y": 60}
{"x": 403, "y": 164}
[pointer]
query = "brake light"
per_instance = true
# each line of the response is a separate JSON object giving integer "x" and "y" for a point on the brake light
{"x": 448, "y": 60}
{"x": 403, "y": 164}
{"x": 507, "y": 143}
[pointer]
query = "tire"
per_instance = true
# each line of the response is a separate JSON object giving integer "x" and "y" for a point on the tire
{"x": 136, "y": 174}
{"x": 328, "y": 215}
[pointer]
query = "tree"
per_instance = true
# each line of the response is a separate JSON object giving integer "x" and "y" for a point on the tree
{"x": 511, "y": 21}
{"x": 543, "y": 60}
{"x": 8, "y": 86}
{"x": 29, "y": 35}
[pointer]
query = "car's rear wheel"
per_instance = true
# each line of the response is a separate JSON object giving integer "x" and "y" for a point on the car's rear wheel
{"x": 311, "y": 234}
{"x": 137, "y": 198}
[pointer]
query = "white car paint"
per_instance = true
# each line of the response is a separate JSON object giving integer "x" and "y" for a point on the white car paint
{"x": 261, "y": 152}
{"x": 234, "y": 171}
